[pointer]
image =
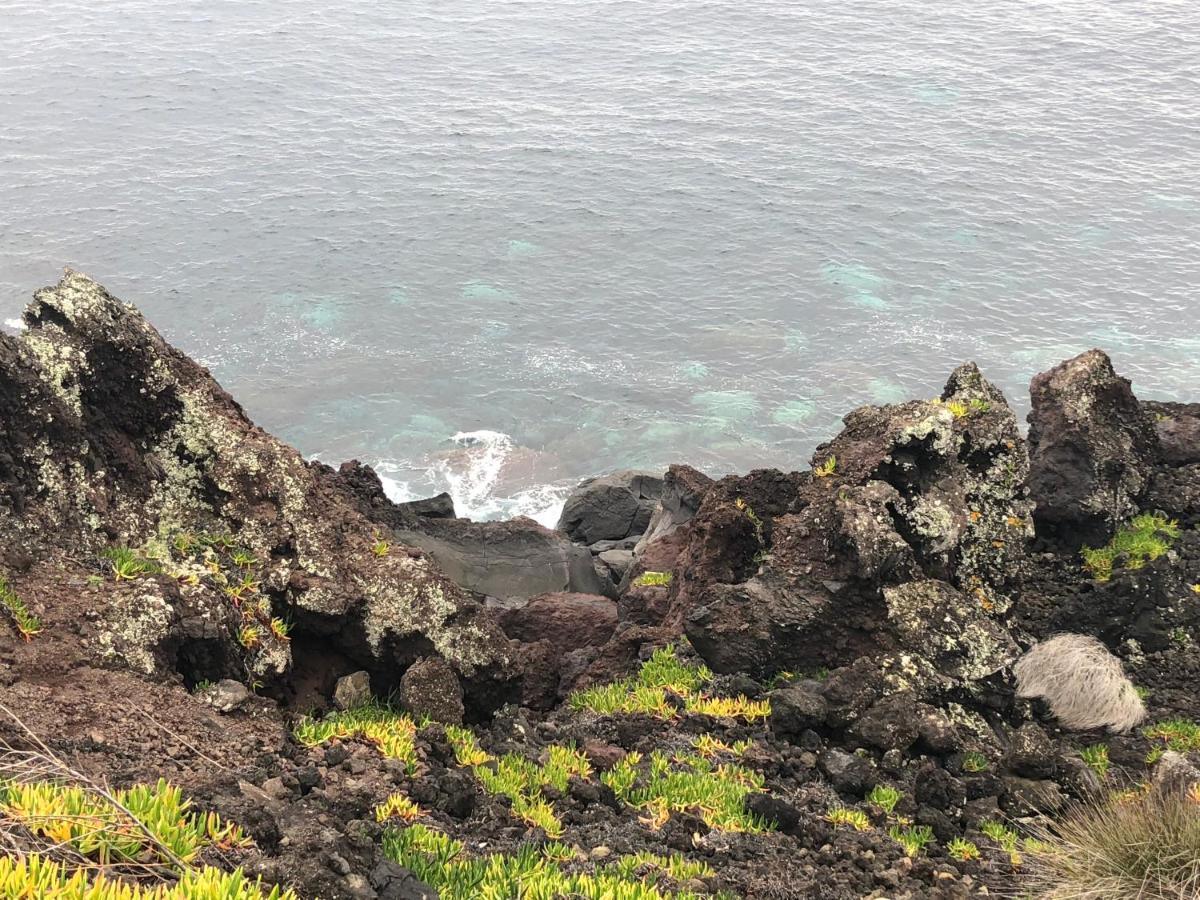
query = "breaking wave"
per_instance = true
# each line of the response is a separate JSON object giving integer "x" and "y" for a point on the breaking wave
{"x": 477, "y": 473}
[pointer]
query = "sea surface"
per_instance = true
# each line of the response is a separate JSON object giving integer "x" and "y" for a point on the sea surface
{"x": 499, "y": 246}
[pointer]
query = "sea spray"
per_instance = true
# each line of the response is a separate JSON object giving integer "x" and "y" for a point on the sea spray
{"x": 473, "y": 476}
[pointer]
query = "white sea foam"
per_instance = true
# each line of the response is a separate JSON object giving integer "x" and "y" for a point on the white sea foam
{"x": 473, "y": 477}
{"x": 14, "y": 324}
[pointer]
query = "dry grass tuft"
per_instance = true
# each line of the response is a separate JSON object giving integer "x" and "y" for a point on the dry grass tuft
{"x": 1146, "y": 848}
{"x": 1082, "y": 682}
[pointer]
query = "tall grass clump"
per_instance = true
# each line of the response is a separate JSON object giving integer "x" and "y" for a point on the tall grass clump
{"x": 1147, "y": 847}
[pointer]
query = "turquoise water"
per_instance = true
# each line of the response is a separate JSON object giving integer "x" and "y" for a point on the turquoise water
{"x": 598, "y": 233}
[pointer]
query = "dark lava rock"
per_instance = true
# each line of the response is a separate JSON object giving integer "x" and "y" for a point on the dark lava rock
{"x": 797, "y": 708}
{"x": 936, "y": 731}
{"x": 847, "y": 772}
{"x": 936, "y": 787}
{"x": 568, "y": 621}
{"x": 1031, "y": 754}
{"x": 1091, "y": 449}
{"x": 891, "y": 724}
{"x": 439, "y": 507}
{"x": 773, "y": 809}
{"x": 683, "y": 489}
{"x": 131, "y": 437}
{"x": 1027, "y": 797}
{"x": 611, "y": 507}
{"x": 429, "y": 687}
{"x": 392, "y": 881}
{"x": 1178, "y": 428}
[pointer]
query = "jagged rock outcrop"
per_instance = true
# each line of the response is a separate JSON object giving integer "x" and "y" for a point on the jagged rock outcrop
{"x": 113, "y": 438}
{"x": 917, "y": 509}
{"x": 1092, "y": 448}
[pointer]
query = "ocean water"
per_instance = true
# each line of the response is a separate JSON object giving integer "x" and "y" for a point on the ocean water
{"x": 498, "y": 247}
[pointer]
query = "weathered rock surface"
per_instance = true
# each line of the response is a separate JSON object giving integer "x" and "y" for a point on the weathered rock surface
{"x": 922, "y": 515}
{"x": 514, "y": 559}
{"x": 1092, "y": 447}
{"x": 134, "y": 444}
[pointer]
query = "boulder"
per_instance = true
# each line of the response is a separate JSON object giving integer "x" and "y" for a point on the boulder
{"x": 437, "y": 507}
{"x": 568, "y": 621}
{"x": 797, "y": 708}
{"x": 1177, "y": 426}
{"x": 1031, "y": 754}
{"x": 514, "y": 559}
{"x": 1092, "y": 448}
{"x": 611, "y": 507}
{"x": 429, "y": 687}
{"x": 352, "y": 690}
{"x": 227, "y": 695}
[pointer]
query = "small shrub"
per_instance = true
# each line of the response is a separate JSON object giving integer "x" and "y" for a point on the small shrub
{"x": 663, "y": 684}
{"x": 380, "y": 547}
{"x": 26, "y": 622}
{"x": 962, "y": 850}
{"x": 653, "y": 579}
{"x": 398, "y": 806}
{"x": 281, "y": 628}
{"x": 884, "y": 797}
{"x": 1146, "y": 538}
{"x": 914, "y": 838}
{"x": 41, "y": 877}
{"x": 250, "y": 636}
{"x": 533, "y": 872}
{"x": 666, "y": 784}
{"x": 1084, "y": 685}
{"x": 127, "y": 564}
{"x": 827, "y": 468}
{"x": 851, "y": 818}
{"x": 974, "y": 761}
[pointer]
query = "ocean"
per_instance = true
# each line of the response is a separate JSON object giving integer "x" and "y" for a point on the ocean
{"x": 498, "y": 247}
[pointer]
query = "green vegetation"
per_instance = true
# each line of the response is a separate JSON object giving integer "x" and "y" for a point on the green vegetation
{"x": 851, "y": 818}
{"x": 913, "y": 838}
{"x": 1004, "y": 836}
{"x": 1180, "y": 735}
{"x": 380, "y": 547}
{"x": 281, "y": 628}
{"x": 1106, "y": 850}
{"x": 884, "y": 797}
{"x": 398, "y": 806}
{"x": 532, "y": 872}
{"x": 127, "y": 564}
{"x": 962, "y": 409}
{"x": 27, "y": 623}
{"x": 827, "y": 468}
{"x": 1146, "y": 538}
{"x": 663, "y": 685}
{"x": 522, "y": 781}
{"x": 665, "y": 784}
{"x": 962, "y": 850}
{"x": 87, "y": 822}
{"x": 708, "y": 746}
{"x": 653, "y": 579}
{"x": 974, "y": 761}
{"x": 1096, "y": 757}
{"x": 393, "y": 733}
{"x": 37, "y": 876}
